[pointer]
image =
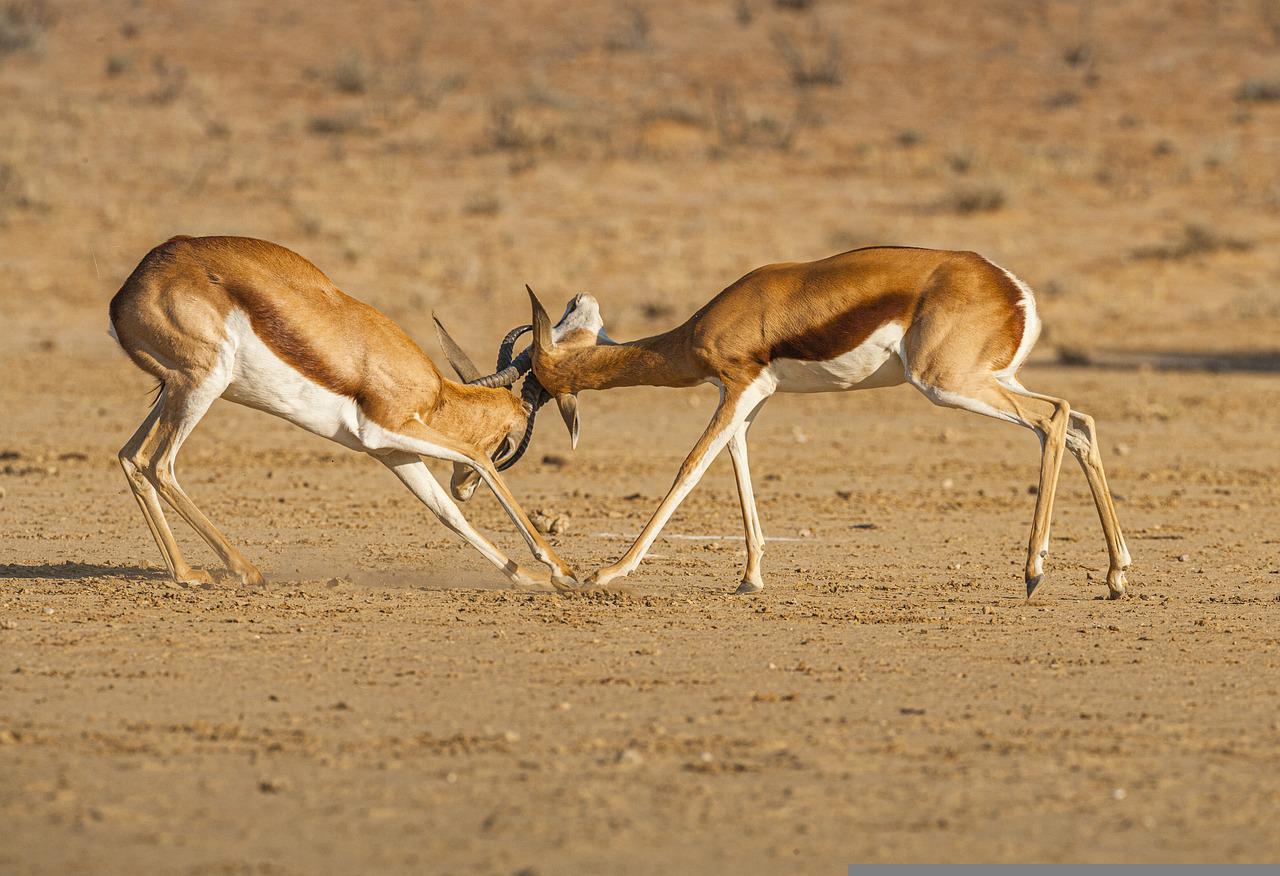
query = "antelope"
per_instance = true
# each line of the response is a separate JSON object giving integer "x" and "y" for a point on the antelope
{"x": 258, "y": 325}
{"x": 952, "y": 324}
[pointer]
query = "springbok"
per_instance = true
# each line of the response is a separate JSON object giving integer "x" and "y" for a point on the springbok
{"x": 952, "y": 324}
{"x": 257, "y": 324}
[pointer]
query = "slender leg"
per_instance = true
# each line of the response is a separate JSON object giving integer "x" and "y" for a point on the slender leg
{"x": 752, "y": 581}
{"x": 417, "y": 477}
{"x": 1002, "y": 402}
{"x": 179, "y": 416}
{"x": 149, "y": 501}
{"x": 418, "y": 438}
{"x": 735, "y": 406}
{"x": 1053, "y": 440}
{"x": 1082, "y": 441}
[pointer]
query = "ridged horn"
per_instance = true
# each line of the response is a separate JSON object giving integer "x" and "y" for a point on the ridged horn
{"x": 462, "y": 364}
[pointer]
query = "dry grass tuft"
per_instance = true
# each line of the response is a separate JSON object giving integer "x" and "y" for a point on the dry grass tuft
{"x": 632, "y": 33}
{"x": 818, "y": 61}
{"x": 966, "y": 200}
{"x": 24, "y": 25}
{"x": 1195, "y": 240}
{"x": 1259, "y": 91}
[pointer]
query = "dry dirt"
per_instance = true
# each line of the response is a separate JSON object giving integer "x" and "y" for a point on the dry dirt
{"x": 382, "y": 706}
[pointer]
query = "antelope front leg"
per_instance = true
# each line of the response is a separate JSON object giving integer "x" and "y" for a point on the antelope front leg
{"x": 422, "y": 440}
{"x": 728, "y": 419}
{"x": 417, "y": 477}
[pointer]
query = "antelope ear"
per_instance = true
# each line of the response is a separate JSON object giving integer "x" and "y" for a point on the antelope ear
{"x": 541, "y": 324}
{"x": 462, "y": 364}
{"x": 568, "y": 404}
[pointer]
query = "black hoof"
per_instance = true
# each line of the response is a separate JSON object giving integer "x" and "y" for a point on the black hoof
{"x": 1032, "y": 584}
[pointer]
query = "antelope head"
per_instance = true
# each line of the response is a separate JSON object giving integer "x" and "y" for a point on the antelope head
{"x": 580, "y": 326}
{"x": 506, "y": 445}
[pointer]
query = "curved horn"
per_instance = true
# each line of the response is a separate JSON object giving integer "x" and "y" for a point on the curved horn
{"x": 534, "y": 397}
{"x": 505, "y": 377}
{"x": 462, "y": 364}
{"x": 541, "y": 323}
{"x": 508, "y": 346}
{"x": 568, "y": 404}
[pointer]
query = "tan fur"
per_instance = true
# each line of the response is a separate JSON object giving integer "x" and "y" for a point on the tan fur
{"x": 171, "y": 318}
{"x": 963, "y": 322}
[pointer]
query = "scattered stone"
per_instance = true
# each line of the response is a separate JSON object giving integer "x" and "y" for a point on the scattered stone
{"x": 629, "y": 757}
{"x": 549, "y": 524}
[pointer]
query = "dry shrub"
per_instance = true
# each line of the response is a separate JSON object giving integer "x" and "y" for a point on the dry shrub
{"x": 966, "y": 200}
{"x": 1259, "y": 91}
{"x": 736, "y": 127}
{"x": 819, "y": 61}
{"x": 351, "y": 75}
{"x": 24, "y": 24}
{"x": 632, "y": 33}
{"x": 13, "y": 189}
{"x": 1194, "y": 240}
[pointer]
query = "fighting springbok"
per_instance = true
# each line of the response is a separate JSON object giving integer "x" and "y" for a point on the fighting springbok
{"x": 952, "y": 324}
{"x": 257, "y": 324}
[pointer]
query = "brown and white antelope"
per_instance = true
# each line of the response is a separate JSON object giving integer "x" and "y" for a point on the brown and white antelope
{"x": 257, "y": 324}
{"x": 952, "y": 324}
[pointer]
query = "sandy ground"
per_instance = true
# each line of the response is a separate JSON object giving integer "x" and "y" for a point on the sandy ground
{"x": 890, "y": 696}
{"x": 382, "y": 705}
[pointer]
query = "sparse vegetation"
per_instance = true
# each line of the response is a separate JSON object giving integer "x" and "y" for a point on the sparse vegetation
{"x": 505, "y": 131}
{"x": 170, "y": 82}
{"x": 820, "y": 62}
{"x": 117, "y": 65}
{"x": 1061, "y": 99}
{"x": 24, "y": 25}
{"x": 737, "y": 127}
{"x": 351, "y": 75}
{"x": 1194, "y": 240}
{"x": 960, "y": 161}
{"x": 632, "y": 33}
{"x": 483, "y": 204}
{"x": 908, "y": 139}
{"x": 336, "y": 124}
{"x": 13, "y": 189}
{"x": 794, "y": 5}
{"x": 1259, "y": 91}
{"x": 966, "y": 200}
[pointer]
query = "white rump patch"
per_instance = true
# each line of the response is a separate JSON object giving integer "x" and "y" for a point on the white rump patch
{"x": 1030, "y": 325}
{"x": 871, "y": 364}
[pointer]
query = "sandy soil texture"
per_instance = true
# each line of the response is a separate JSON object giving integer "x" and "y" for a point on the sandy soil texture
{"x": 381, "y": 705}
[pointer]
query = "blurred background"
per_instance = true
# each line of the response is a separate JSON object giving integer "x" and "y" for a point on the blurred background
{"x": 1123, "y": 157}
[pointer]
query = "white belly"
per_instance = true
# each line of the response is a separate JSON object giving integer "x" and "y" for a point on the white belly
{"x": 873, "y": 363}
{"x": 260, "y": 379}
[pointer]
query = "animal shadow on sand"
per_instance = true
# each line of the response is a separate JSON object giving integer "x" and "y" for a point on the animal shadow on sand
{"x": 72, "y": 571}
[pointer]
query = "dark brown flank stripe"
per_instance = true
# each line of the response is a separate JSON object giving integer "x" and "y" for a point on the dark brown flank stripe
{"x": 843, "y": 333}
